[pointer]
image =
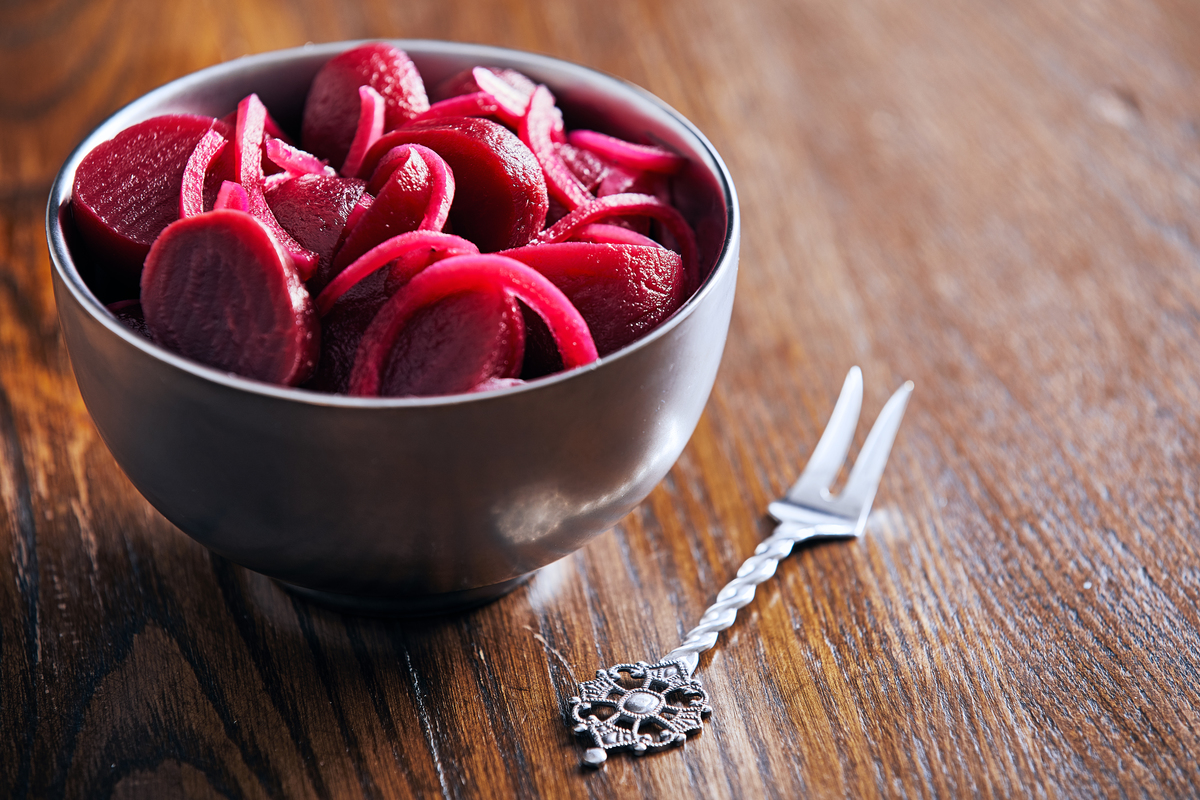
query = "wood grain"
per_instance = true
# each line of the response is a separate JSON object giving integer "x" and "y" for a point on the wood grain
{"x": 998, "y": 201}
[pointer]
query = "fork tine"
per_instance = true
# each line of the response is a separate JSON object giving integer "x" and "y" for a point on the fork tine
{"x": 859, "y": 492}
{"x": 830, "y": 453}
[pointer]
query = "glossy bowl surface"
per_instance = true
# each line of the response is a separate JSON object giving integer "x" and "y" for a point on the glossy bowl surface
{"x": 402, "y": 505}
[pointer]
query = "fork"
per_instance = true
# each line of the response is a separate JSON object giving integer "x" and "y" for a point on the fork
{"x": 641, "y": 707}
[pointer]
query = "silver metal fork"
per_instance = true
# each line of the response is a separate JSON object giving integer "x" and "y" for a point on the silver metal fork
{"x": 641, "y": 707}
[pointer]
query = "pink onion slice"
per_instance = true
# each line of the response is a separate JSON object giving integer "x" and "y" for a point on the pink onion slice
{"x": 191, "y": 190}
{"x": 601, "y": 233}
{"x": 626, "y": 205}
{"x": 233, "y": 197}
{"x": 638, "y": 156}
{"x": 295, "y": 161}
{"x": 537, "y": 133}
{"x": 476, "y": 104}
{"x": 622, "y": 291}
{"x": 248, "y": 139}
{"x": 512, "y": 102}
{"x": 416, "y": 196}
{"x": 430, "y": 243}
{"x": 370, "y": 128}
{"x": 465, "y": 274}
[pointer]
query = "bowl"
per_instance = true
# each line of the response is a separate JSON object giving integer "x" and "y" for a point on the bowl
{"x": 402, "y": 505}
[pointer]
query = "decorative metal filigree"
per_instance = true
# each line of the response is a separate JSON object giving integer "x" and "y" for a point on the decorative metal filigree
{"x": 638, "y": 707}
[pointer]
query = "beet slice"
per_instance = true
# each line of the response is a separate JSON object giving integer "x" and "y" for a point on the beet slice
{"x": 248, "y": 155}
{"x": 620, "y": 205}
{"x": 127, "y": 190}
{"x": 218, "y": 288}
{"x": 331, "y": 111}
{"x": 588, "y": 168}
{"x": 342, "y": 330}
{"x": 500, "y": 195}
{"x": 622, "y": 291}
{"x": 466, "y": 274}
{"x": 315, "y": 209}
{"x": 351, "y": 301}
{"x": 129, "y": 312}
{"x": 459, "y": 344}
{"x": 537, "y": 131}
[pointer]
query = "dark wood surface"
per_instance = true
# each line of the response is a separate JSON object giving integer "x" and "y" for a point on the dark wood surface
{"x": 999, "y": 201}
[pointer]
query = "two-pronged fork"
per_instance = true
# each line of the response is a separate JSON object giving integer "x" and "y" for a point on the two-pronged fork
{"x": 643, "y": 706}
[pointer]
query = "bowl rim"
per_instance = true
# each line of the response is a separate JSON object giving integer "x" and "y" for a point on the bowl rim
{"x": 64, "y": 265}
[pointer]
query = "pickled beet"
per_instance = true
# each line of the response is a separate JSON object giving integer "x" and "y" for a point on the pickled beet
{"x": 500, "y": 196}
{"x": 332, "y": 110}
{"x": 127, "y": 190}
{"x": 470, "y": 273}
{"x": 314, "y": 209}
{"x": 622, "y": 291}
{"x": 218, "y": 289}
{"x": 456, "y": 345}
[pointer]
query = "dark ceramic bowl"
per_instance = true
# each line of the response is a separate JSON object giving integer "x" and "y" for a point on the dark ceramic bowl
{"x": 416, "y": 504}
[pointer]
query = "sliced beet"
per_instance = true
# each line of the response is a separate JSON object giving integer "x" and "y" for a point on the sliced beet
{"x": 127, "y": 190}
{"x": 342, "y": 330}
{"x": 315, "y": 209}
{"x": 129, "y": 312}
{"x": 331, "y": 111}
{"x": 217, "y": 288}
{"x": 500, "y": 195}
{"x": 587, "y": 168}
{"x": 638, "y": 205}
{"x": 471, "y": 273}
{"x": 455, "y": 345}
{"x": 623, "y": 291}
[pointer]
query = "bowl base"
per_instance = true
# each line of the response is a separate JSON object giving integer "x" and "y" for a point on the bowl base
{"x": 422, "y": 605}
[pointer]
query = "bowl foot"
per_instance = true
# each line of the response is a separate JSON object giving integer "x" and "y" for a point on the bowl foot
{"x": 408, "y": 605}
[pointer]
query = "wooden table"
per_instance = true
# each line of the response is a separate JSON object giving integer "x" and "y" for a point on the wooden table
{"x": 999, "y": 201}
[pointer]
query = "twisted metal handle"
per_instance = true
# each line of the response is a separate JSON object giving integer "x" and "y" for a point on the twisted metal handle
{"x": 740, "y": 591}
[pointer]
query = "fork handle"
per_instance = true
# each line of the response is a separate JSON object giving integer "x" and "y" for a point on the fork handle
{"x": 740, "y": 591}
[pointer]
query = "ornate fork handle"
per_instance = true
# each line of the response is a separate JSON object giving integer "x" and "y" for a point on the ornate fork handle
{"x": 643, "y": 707}
{"x": 740, "y": 591}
